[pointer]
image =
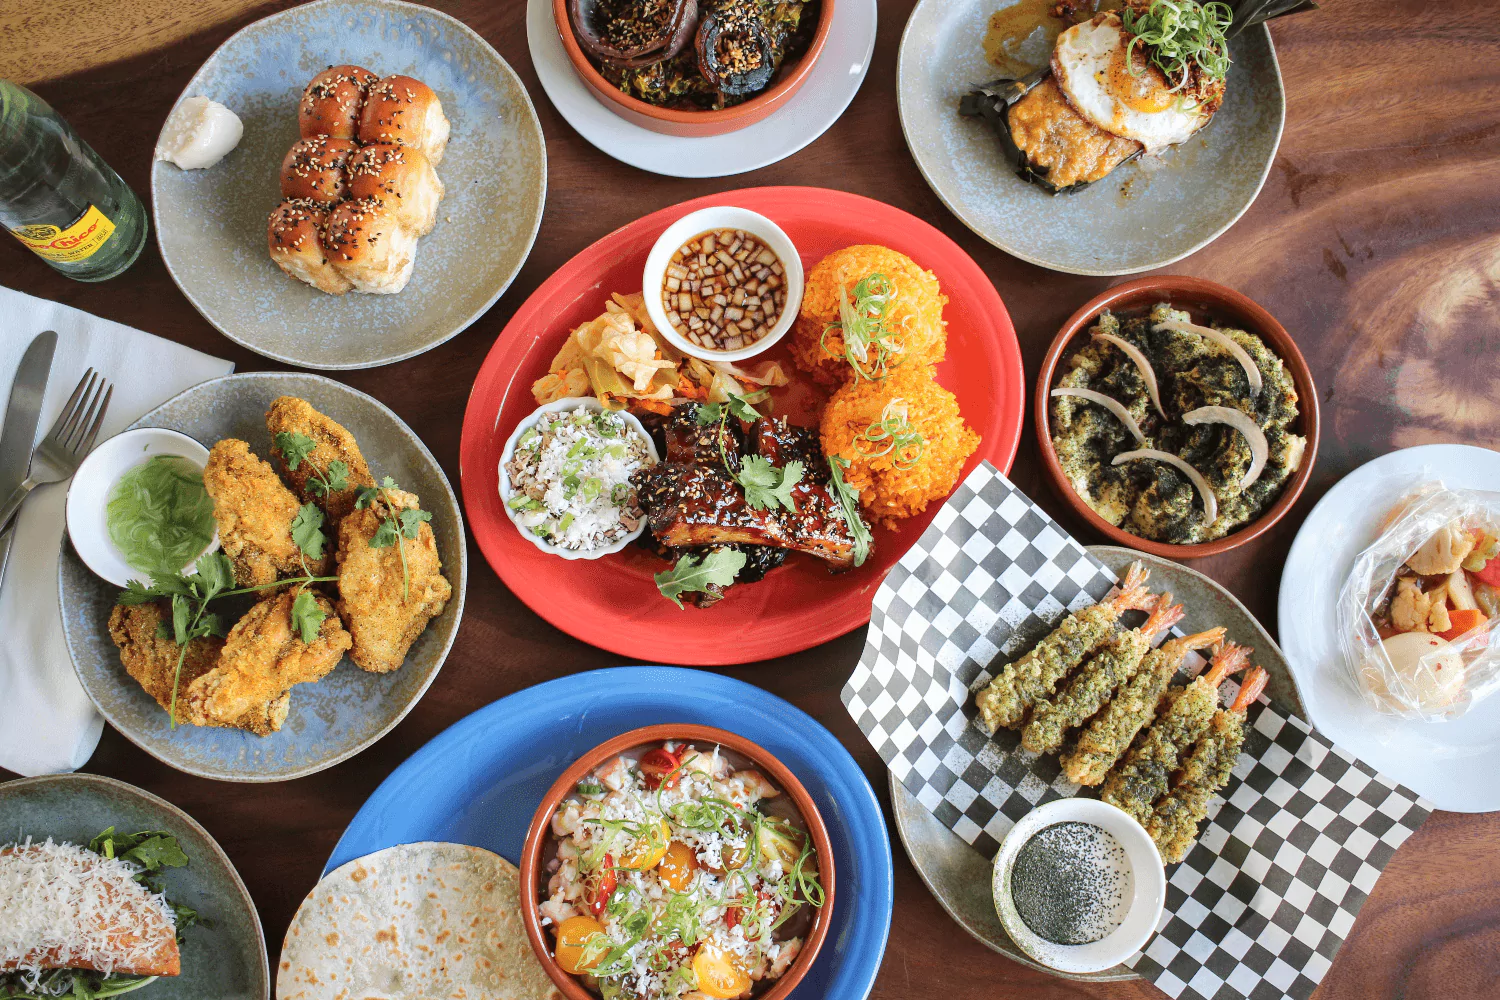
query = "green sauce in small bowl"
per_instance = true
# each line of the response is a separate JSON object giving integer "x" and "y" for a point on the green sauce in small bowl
{"x": 160, "y": 516}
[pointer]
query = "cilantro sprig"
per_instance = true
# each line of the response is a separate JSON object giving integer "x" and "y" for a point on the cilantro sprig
{"x": 213, "y": 578}
{"x": 398, "y": 523}
{"x": 297, "y": 448}
{"x": 765, "y": 485}
{"x": 695, "y": 574}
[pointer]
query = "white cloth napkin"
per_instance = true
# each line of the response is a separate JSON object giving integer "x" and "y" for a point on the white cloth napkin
{"x": 47, "y": 723}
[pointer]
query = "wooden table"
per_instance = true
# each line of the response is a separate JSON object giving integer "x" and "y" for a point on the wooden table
{"x": 1376, "y": 241}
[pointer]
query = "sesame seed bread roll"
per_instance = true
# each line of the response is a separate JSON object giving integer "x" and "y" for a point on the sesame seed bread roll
{"x": 332, "y": 102}
{"x": 405, "y": 111}
{"x": 402, "y": 178}
{"x": 295, "y": 235}
{"x": 313, "y": 169}
{"x": 369, "y": 247}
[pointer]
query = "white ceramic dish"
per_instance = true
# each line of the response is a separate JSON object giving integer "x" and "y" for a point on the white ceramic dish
{"x": 1448, "y": 763}
{"x": 96, "y": 478}
{"x": 722, "y": 217}
{"x": 506, "y": 492}
{"x": 1148, "y": 890}
{"x": 807, "y": 115}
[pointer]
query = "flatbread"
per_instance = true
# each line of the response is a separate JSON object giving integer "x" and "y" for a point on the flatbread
{"x": 422, "y": 921}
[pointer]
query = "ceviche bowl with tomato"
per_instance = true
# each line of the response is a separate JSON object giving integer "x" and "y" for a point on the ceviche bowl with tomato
{"x": 677, "y": 862}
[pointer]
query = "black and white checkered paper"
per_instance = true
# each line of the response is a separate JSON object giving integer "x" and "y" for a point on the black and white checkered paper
{"x": 1283, "y": 863}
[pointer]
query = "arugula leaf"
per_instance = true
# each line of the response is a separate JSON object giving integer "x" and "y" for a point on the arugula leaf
{"x": 307, "y": 616}
{"x": 158, "y": 851}
{"x": 294, "y": 447}
{"x": 848, "y": 498}
{"x": 307, "y": 530}
{"x": 766, "y": 486}
{"x": 694, "y": 574}
{"x": 411, "y": 522}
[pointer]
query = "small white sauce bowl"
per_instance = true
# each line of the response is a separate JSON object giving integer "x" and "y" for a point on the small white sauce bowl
{"x": 701, "y": 221}
{"x": 95, "y": 479}
{"x": 506, "y": 491}
{"x": 1148, "y": 876}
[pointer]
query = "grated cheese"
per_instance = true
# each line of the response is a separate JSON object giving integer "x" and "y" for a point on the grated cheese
{"x": 62, "y": 906}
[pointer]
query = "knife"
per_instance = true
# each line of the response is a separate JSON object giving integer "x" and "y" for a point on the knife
{"x": 18, "y": 433}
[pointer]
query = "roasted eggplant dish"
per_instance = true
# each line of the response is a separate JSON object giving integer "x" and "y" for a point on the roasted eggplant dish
{"x": 1120, "y": 84}
{"x": 692, "y": 54}
{"x": 1175, "y": 431}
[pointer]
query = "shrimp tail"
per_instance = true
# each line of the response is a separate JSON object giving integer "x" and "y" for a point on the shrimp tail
{"x": 1132, "y": 595}
{"x": 1202, "y": 640}
{"x": 1229, "y": 658}
{"x": 1163, "y": 616}
{"x": 1250, "y": 689}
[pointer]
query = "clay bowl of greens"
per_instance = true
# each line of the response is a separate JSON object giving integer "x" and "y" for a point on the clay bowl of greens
{"x": 677, "y": 855}
{"x": 1176, "y": 416}
{"x": 693, "y": 68}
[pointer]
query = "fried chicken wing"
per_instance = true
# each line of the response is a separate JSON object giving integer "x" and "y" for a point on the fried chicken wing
{"x": 255, "y": 511}
{"x": 263, "y": 658}
{"x": 152, "y": 661}
{"x": 290, "y": 415}
{"x": 383, "y": 617}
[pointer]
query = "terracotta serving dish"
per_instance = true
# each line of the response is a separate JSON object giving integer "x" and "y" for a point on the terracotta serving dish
{"x": 533, "y": 878}
{"x": 694, "y": 124}
{"x": 1205, "y": 300}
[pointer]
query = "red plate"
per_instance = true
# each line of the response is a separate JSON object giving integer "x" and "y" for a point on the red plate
{"x": 612, "y": 602}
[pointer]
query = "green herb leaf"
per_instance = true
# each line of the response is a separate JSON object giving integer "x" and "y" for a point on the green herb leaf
{"x": 136, "y": 592}
{"x": 294, "y": 448}
{"x": 181, "y": 615}
{"x": 740, "y": 407}
{"x": 695, "y": 574}
{"x": 307, "y": 530}
{"x": 307, "y": 616}
{"x": 337, "y": 475}
{"x": 385, "y": 536}
{"x": 709, "y": 413}
{"x": 848, "y": 498}
{"x": 156, "y": 852}
{"x": 213, "y": 574}
{"x": 766, "y": 486}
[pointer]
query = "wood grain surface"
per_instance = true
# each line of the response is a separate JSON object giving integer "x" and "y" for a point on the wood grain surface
{"x": 1376, "y": 242}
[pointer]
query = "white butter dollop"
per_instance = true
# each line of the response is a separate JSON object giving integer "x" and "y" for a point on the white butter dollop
{"x": 199, "y": 132}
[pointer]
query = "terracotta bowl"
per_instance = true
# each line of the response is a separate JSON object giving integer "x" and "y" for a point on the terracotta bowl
{"x": 1204, "y": 300}
{"x": 533, "y": 878}
{"x": 693, "y": 124}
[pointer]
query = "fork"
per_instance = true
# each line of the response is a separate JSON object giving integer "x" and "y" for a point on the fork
{"x": 67, "y": 443}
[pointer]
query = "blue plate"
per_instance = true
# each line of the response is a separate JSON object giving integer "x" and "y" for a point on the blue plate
{"x": 480, "y": 781}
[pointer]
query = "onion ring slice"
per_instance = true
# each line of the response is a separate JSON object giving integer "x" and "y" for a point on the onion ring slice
{"x": 1109, "y": 403}
{"x": 1240, "y": 421}
{"x": 1147, "y": 372}
{"x": 1210, "y": 502}
{"x": 1223, "y": 340}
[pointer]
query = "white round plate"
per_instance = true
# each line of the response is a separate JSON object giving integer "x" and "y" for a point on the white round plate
{"x": 808, "y": 114}
{"x": 88, "y": 496}
{"x": 1144, "y": 215}
{"x": 1444, "y": 762}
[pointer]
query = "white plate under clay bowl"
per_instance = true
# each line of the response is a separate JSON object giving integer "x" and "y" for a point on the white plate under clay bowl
{"x": 1451, "y": 764}
{"x": 807, "y": 114}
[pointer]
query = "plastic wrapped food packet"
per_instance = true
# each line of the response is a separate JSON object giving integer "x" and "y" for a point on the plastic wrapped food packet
{"x": 1419, "y": 615}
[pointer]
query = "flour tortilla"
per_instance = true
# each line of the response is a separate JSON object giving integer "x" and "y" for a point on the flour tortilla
{"x": 416, "y": 922}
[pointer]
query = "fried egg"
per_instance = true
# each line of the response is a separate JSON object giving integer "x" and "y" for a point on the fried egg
{"x": 1091, "y": 64}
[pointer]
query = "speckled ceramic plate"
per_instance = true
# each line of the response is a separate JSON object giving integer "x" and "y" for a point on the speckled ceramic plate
{"x": 337, "y": 717}
{"x": 1144, "y": 215}
{"x": 959, "y": 876}
{"x": 224, "y": 956}
{"x": 211, "y": 224}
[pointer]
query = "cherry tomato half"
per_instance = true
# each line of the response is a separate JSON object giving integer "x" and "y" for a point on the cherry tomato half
{"x": 660, "y": 765}
{"x": 719, "y": 975}
{"x": 603, "y": 886}
{"x": 647, "y": 851}
{"x": 678, "y": 865}
{"x": 572, "y": 935}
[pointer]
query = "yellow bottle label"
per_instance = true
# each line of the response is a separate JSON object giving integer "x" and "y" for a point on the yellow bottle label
{"x": 77, "y": 242}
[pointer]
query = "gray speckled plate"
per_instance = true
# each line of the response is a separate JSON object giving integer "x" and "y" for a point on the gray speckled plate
{"x": 224, "y": 956}
{"x": 211, "y": 224}
{"x": 1145, "y": 214}
{"x": 349, "y": 709}
{"x": 959, "y": 876}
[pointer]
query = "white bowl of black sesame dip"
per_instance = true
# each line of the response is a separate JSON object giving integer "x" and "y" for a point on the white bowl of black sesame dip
{"x": 723, "y": 283}
{"x": 1078, "y": 885}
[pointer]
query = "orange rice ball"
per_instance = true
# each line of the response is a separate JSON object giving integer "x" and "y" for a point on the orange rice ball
{"x": 913, "y": 319}
{"x": 872, "y": 426}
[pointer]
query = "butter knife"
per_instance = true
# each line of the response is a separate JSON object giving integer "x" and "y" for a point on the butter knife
{"x": 18, "y": 433}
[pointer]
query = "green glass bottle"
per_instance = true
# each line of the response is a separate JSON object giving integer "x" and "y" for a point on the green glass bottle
{"x": 58, "y": 197}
